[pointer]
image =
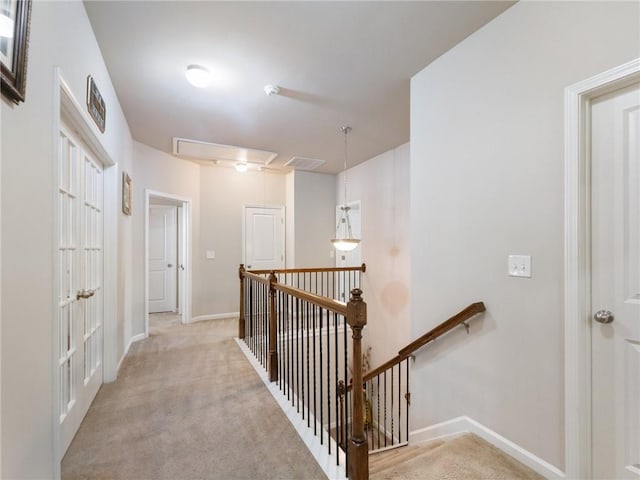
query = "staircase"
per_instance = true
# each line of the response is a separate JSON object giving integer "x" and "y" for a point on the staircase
{"x": 462, "y": 457}
{"x": 300, "y": 336}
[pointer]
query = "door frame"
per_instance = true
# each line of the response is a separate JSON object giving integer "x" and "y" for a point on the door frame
{"x": 244, "y": 229}
{"x": 184, "y": 252}
{"x": 67, "y": 108}
{"x": 577, "y": 260}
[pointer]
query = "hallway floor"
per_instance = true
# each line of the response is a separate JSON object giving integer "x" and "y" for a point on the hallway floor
{"x": 187, "y": 405}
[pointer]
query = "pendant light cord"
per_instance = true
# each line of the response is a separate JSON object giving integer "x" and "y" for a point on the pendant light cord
{"x": 345, "y": 130}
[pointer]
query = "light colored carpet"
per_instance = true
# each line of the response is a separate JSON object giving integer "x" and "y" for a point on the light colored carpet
{"x": 187, "y": 405}
{"x": 466, "y": 457}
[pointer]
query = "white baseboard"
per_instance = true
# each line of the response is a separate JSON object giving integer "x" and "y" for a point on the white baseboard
{"x": 132, "y": 340}
{"x": 320, "y": 452}
{"x": 215, "y": 316}
{"x": 465, "y": 424}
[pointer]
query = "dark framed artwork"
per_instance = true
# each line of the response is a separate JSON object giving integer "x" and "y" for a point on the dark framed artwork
{"x": 14, "y": 44}
{"x": 95, "y": 104}
{"x": 126, "y": 193}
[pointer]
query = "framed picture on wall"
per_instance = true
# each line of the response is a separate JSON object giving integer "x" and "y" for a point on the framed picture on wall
{"x": 126, "y": 193}
{"x": 14, "y": 43}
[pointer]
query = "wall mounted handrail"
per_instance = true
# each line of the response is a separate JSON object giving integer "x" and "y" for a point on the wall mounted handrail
{"x": 443, "y": 328}
{"x": 459, "y": 318}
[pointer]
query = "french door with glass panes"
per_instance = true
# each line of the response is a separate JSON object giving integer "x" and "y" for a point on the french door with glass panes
{"x": 80, "y": 292}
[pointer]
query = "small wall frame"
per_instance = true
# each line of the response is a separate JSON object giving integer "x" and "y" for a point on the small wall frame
{"x": 126, "y": 193}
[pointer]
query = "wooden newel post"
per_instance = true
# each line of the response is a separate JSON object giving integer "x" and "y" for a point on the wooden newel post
{"x": 358, "y": 448}
{"x": 273, "y": 329}
{"x": 241, "y": 315}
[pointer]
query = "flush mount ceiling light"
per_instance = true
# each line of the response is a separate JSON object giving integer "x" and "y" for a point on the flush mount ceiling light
{"x": 272, "y": 90}
{"x": 241, "y": 167}
{"x": 198, "y": 76}
{"x": 345, "y": 241}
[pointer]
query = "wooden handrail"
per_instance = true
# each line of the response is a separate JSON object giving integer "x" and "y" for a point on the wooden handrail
{"x": 257, "y": 278}
{"x": 333, "y": 305}
{"x": 443, "y": 328}
{"x": 430, "y": 336}
{"x": 361, "y": 268}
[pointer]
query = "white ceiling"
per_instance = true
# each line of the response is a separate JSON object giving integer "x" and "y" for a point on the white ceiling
{"x": 337, "y": 63}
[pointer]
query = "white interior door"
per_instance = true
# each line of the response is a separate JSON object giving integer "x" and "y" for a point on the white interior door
{"x": 163, "y": 258}
{"x": 264, "y": 238}
{"x": 616, "y": 284}
{"x": 80, "y": 285}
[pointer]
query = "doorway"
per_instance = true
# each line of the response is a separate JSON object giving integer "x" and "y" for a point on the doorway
{"x": 85, "y": 188}
{"x": 167, "y": 256}
{"x": 602, "y": 280}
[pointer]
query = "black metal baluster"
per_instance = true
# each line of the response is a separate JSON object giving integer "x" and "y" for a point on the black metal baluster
{"x": 315, "y": 409}
{"x": 321, "y": 377}
{"x": 399, "y": 402}
{"x": 335, "y": 383}
{"x": 378, "y": 416}
{"x": 329, "y": 378}
{"x": 308, "y": 386}
{"x": 391, "y": 406}
{"x": 280, "y": 310}
{"x": 297, "y": 362}
{"x": 385, "y": 408}
{"x": 407, "y": 397}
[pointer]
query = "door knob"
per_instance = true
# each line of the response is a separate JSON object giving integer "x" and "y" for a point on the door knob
{"x": 169, "y": 265}
{"x": 85, "y": 294}
{"x": 603, "y": 316}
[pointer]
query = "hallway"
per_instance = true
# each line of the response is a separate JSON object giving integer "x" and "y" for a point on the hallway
{"x": 187, "y": 405}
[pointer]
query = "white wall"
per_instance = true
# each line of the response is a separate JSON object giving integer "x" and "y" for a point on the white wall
{"x": 486, "y": 182}
{"x": 382, "y": 186}
{"x": 161, "y": 172}
{"x": 314, "y": 219}
{"x": 290, "y": 234}
{"x": 60, "y": 36}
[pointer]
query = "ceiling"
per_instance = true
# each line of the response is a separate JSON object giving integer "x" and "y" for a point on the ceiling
{"x": 336, "y": 63}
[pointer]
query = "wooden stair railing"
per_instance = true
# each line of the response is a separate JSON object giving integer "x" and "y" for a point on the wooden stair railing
{"x": 274, "y": 315}
{"x": 386, "y": 388}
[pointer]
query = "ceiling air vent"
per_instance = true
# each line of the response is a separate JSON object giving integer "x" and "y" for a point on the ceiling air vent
{"x": 197, "y": 150}
{"x": 301, "y": 163}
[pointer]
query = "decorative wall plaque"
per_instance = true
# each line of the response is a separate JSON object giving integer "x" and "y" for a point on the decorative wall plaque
{"x": 95, "y": 104}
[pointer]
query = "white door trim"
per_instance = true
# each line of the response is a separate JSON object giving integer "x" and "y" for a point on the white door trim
{"x": 577, "y": 288}
{"x": 185, "y": 297}
{"x": 65, "y": 105}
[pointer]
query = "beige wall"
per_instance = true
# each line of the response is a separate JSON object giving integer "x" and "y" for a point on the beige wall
{"x": 382, "y": 186}
{"x": 61, "y": 36}
{"x": 486, "y": 182}
{"x": 157, "y": 171}
{"x": 314, "y": 219}
{"x": 223, "y": 194}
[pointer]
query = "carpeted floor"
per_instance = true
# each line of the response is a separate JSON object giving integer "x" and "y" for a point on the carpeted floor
{"x": 466, "y": 457}
{"x": 187, "y": 405}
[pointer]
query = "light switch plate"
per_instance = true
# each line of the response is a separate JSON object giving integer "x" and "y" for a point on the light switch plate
{"x": 519, "y": 266}
{"x": 211, "y": 254}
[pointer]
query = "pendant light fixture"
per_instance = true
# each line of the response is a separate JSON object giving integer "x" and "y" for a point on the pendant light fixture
{"x": 345, "y": 241}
